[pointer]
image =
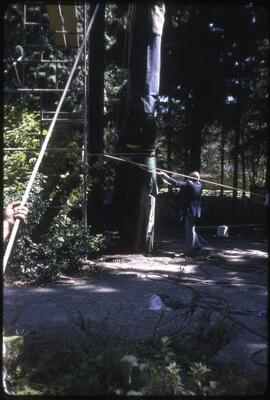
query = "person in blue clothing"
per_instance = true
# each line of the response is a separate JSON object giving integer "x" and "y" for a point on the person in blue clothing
{"x": 191, "y": 190}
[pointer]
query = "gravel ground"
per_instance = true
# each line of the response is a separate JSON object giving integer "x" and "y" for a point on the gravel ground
{"x": 223, "y": 290}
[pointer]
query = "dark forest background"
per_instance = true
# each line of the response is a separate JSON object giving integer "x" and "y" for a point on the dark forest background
{"x": 212, "y": 112}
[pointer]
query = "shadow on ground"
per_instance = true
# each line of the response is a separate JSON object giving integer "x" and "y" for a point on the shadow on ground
{"x": 213, "y": 306}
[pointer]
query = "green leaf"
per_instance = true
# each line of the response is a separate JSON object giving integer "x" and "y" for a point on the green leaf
{"x": 155, "y": 377}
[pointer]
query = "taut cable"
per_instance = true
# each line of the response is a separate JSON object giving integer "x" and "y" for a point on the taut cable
{"x": 160, "y": 170}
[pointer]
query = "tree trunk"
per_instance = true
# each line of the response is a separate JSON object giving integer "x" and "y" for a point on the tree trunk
{"x": 134, "y": 203}
{"x": 95, "y": 115}
{"x": 267, "y": 174}
{"x": 134, "y": 206}
{"x": 235, "y": 168}
{"x": 243, "y": 162}
{"x": 169, "y": 141}
{"x": 222, "y": 150}
{"x": 195, "y": 149}
{"x": 195, "y": 136}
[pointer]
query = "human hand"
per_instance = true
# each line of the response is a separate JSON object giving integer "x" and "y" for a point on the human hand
{"x": 13, "y": 211}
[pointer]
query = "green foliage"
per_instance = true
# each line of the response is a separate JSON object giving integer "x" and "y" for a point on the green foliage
{"x": 38, "y": 258}
{"x": 72, "y": 244}
{"x": 21, "y": 129}
{"x": 66, "y": 372}
{"x": 224, "y": 63}
{"x": 62, "y": 250}
{"x": 34, "y": 262}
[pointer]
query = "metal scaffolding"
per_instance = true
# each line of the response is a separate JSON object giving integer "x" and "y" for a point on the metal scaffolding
{"x": 67, "y": 33}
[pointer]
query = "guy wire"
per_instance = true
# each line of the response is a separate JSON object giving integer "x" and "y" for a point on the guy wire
{"x": 158, "y": 171}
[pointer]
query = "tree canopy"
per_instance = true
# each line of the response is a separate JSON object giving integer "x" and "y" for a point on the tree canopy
{"x": 212, "y": 111}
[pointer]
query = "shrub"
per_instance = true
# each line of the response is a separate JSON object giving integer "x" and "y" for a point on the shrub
{"x": 40, "y": 259}
{"x": 61, "y": 250}
{"x": 112, "y": 372}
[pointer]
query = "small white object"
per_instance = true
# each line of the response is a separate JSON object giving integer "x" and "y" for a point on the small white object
{"x": 222, "y": 231}
{"x": 155, "y": 303}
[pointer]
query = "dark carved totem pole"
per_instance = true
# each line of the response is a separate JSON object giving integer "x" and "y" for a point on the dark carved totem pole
{"x": 135, "y": 188}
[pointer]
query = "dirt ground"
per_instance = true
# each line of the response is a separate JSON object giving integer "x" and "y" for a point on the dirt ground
{"x": 214, "y": 303}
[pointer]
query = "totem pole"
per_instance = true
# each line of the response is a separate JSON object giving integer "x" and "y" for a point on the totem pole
{"x": 135, "y": 188}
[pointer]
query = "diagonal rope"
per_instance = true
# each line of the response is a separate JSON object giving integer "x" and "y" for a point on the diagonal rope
{"x": 160, "y": 170}
{"x": 46, "y": 141}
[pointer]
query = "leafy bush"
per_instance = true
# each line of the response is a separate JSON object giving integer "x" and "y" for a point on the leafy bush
{"x": 71, "y": 243}
{"x": 40, "y": 258}
{"x": 166, "y": 376}
{"x": 62, "y": 250}
{"x": 34, "y": 262}
{"x": 35, "y": 257}
{"x": 21, "y": 129}
{"x": 112, "y": 372}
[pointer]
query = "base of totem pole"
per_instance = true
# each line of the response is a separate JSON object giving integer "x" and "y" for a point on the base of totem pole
{"x": 134, "y": 206}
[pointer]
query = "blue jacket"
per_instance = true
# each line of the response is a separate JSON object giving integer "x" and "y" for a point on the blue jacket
{"x": 192, "y": 191}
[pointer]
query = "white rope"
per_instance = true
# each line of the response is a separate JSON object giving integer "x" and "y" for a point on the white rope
{"x": 159, "y": 171}
{"x": 46, "y": 141}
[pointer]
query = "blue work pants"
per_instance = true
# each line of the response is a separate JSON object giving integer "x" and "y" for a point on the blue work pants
{"x": 191, "y": 238}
